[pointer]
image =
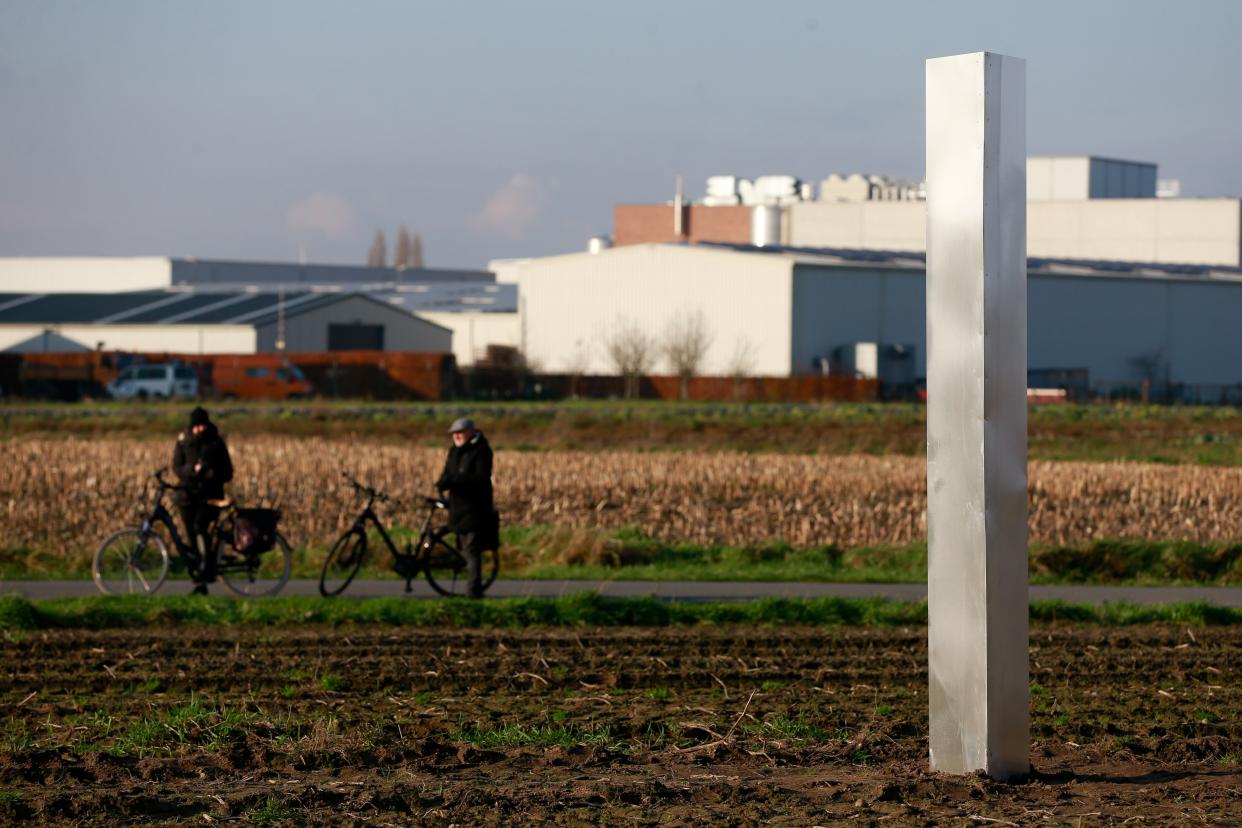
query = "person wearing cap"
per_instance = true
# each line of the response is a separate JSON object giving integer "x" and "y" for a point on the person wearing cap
{"x": 467, "y": 477}
{"x": 201, "y": 461}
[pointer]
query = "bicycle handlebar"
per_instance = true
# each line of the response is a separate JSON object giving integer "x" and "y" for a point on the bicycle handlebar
{"x": 369, "y": 491}
{"x": 159, "y": 476}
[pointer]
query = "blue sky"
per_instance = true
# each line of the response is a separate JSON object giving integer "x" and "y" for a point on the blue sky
{"x": 258, "y": 129}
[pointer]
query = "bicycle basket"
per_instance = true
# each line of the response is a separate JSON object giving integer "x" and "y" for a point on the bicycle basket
{"x": 254, "y": 530}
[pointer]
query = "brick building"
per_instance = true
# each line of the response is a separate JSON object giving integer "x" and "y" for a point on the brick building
{"x": 653, "y": 223}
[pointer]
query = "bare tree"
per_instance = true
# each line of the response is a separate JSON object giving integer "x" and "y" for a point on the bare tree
{"x": 416, "y": 253}
{"x": 632, "y": 352}
{"x": 741, "y": 363}
{"x": 401, "y": 256}
{"x": 577, "y": 364}
{"x": 378, "y": 253}
{"x": 686, "y": 340}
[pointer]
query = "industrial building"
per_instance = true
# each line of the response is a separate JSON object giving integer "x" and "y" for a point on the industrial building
{"x": 480, "y": 315}
{"x": 111, "y": 274}
{"x": 769, "y": 308}
{"x": 213, "y": 322}
{"x": 476, "y": 310}
{"x": 781, "y": 311}
{"x": 1078, "y": 207}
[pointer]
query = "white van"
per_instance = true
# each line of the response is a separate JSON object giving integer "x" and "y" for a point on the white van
{"x": 155, "y": 381}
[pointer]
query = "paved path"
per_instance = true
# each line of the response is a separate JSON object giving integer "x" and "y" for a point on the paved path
{"x": 683, "y": 590}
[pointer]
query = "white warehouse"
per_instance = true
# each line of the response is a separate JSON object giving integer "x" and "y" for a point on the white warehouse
{"x": 786, "y": 311}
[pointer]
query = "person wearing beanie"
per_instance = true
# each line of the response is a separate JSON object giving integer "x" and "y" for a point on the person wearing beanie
{"x": 467, "y": 477}
{"x": 201, "y": 461}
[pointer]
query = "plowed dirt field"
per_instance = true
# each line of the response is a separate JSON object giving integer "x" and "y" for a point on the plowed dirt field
{"x": 721, "y": 726}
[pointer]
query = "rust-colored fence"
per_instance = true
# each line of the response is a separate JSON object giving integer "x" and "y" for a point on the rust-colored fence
{"x": 380, "y": 375}
{"x": 707, "y": 389}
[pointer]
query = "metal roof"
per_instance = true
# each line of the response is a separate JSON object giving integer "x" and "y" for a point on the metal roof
{"x": 459, "y": 296}
{"x": 163, "y": 307}
{"x": 478, "y": 298}
{"x": 248, "y": 305}
{"x": 201, "y": 272}
{"x": 1035, "y": 264}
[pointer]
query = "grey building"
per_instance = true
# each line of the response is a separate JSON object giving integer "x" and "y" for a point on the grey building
{"x": 217, "y": 321}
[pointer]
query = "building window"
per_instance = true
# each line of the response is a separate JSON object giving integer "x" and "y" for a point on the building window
{"x": 355, "y": 337}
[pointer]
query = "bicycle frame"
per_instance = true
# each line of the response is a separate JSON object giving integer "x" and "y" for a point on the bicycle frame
{"x": 120, "y": 562}
{"x": 368, "y": 515}
{"x": 408, "y": 563}
{"x": 161, "y": 515}
{"x": 348, "y": 556}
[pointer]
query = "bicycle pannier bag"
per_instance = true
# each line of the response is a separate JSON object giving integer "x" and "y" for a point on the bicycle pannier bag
{"x": 254, "y": 530}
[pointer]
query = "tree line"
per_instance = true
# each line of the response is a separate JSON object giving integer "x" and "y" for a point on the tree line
{"x": 407, "y": 253}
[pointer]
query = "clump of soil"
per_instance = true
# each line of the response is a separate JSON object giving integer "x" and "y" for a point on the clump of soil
{"x": 682, "y": 726}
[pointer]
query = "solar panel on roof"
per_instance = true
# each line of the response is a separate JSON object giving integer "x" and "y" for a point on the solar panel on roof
{"x": 1104, "y": 266}
{"x": 295, "y": 303}
{"x": 75, "y": 307}
{"x": 456, "y": 298}
{"x": 235, "y": 309}
{"x": 188, "y": 304}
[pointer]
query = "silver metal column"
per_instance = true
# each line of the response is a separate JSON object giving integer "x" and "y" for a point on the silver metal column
{"x": 976, "y": 415}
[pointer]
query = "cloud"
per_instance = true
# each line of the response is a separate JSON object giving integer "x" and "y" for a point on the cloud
{"x": 323, "y": 213}
{"x": 514, "y": 207}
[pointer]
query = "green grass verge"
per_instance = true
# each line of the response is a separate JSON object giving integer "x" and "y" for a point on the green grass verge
{"x": 548, "y": 553}
{"x": 583, "y": 609}
{"x": 629, "y": 554}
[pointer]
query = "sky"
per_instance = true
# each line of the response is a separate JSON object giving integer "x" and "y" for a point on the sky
{"x": 288, "y": 129}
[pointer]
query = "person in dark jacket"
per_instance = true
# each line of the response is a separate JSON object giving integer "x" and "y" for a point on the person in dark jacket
{"x": 201, "y": 461}
{"x": 467, "y": 478}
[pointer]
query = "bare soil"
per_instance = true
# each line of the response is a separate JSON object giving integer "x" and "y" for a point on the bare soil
{"x": 723, "y": 726}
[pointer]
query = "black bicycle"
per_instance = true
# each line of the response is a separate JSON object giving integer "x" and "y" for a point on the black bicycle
{"x": 436, "y": 553}
{"x": 252, "y": 558}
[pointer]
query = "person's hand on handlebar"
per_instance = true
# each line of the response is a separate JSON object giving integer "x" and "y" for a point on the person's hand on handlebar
{"x": 159, "y": 476}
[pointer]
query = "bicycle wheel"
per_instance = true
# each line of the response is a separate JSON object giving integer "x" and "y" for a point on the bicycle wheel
{"x": 130, "y": 562}
{"x": 446, "y": 569}
{"x": 259, "y": 574}
{"x": 343, "y": 563}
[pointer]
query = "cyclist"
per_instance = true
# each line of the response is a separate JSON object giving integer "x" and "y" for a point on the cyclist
{"x": 201, "y": 461}
{"x": 467, "y": 478}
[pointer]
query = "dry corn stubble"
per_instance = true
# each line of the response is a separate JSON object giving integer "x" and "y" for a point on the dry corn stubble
{"x": 66, "y": 494}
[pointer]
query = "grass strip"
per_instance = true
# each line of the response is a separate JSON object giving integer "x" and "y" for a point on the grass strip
{"x": 545, "y": 552}
{"x": 629, "y": 553}
{"x": 579, "y": 610}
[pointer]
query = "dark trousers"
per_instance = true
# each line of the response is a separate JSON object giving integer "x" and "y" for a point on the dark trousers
{"x": 197, "y": 518}
{"x": 474, "y": 561}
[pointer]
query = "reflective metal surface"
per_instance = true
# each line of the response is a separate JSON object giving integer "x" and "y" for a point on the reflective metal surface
{"x": 976, "y": 414}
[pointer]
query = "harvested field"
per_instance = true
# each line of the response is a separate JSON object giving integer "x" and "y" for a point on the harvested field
{"x": 62, "y": 494}
{"x": 620, "y": 726}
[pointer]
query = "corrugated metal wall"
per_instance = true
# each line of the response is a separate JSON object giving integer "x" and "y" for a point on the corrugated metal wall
{"x": 402, "y": 331}
{"x": 837, "y": 306}
{"x": 573, "y": 304}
